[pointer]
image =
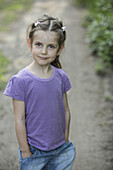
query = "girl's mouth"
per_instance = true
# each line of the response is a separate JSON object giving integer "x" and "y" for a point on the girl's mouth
{"x": 43, "y": 58}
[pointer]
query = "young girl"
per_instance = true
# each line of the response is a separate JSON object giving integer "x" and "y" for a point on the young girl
{"x": 41, "y": 111}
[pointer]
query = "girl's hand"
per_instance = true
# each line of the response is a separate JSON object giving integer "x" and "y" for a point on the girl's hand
{"x": 67, "y": 140}
{"x": 26, "y": 154}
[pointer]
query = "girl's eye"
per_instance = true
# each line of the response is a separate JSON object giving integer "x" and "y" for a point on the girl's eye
{"x": 51, "y": 46}
{"x": 38, "y": 44}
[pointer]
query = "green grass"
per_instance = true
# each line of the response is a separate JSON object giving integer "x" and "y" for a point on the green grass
{"x": 10, "y": 10}
{"x": 3, "y": 70}
{"x": 100, "y": 67}
{"x": 107, "y": 98}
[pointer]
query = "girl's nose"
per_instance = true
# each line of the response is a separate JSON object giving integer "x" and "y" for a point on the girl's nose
{"x": 44, "y": 50}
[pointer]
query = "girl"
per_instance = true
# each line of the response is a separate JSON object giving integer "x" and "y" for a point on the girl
{"x": 41, "y": 111}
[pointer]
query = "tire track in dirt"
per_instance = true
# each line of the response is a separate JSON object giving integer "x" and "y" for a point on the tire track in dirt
{"x": 89, "y": 110}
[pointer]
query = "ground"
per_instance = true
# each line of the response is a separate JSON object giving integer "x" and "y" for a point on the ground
{"x": 90, "y": 99}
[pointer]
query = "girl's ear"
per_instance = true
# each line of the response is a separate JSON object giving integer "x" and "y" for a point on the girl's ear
{"x": 29, "y": 43}
{"x": 60, "y": 50}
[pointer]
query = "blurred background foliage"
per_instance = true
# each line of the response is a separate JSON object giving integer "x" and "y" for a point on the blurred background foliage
{"x": 85, "y": 3}
{"x": 99, "y": 23}
{"x": 3, "y": 70}
{"x": 10, "y": 10}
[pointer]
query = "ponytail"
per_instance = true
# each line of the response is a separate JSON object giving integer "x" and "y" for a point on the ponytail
{"x": 56, "y": 62}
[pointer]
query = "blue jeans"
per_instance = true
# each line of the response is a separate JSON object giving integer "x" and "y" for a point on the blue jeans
{"x": 61, "y": 158}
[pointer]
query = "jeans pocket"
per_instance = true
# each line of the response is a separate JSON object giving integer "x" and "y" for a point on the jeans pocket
{"x": 33, "y": 151}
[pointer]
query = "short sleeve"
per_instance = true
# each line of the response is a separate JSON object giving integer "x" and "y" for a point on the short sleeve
{"x": 15, "y": 89}
{"x": 66, "y": 83}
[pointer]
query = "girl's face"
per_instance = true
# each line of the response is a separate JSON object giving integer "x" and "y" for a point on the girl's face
{"x": 45, "y": 47}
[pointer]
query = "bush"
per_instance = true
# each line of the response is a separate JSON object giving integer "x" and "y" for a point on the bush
{"x": 100, "y": 32}
{"x": 86, "y": 3}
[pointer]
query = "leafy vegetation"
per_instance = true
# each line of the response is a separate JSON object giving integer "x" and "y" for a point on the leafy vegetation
{"x": 85, "y": 3}
{"x": 100, "y": 33}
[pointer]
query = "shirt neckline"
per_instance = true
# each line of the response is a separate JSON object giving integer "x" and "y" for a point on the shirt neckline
{"x": 41, "y": 79}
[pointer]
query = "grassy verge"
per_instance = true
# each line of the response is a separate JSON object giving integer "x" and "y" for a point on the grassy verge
{"x": 99, "y": 25}
{"x": 10, "y": 10}
{"x": 3, "y": 70}
{"x": 85, "y": 3}
{"x": 100, "y": 35}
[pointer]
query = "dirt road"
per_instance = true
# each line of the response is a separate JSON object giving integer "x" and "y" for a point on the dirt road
{"x": 90, "y": 98}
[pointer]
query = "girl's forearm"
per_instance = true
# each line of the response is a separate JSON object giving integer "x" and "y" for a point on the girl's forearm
{"x": 68, "y": 117}
{"x": 19, "y": 117}
{"x": 21, "y": 135}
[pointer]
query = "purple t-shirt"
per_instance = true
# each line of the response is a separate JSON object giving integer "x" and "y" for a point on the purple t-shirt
{"x": 44, "y": 108}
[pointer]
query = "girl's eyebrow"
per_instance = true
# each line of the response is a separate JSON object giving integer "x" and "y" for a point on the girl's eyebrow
{"x": 51, "y": 43}
{"x": 37, "y": 41}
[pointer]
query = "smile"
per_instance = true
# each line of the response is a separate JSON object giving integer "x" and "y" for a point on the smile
{"x": 43, "y": 58}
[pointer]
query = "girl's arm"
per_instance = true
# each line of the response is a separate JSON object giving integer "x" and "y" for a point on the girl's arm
{"x": 19, "y": 116}
{"x": 67, "y": 117}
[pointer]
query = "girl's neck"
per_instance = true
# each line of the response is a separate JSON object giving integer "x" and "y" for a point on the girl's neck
{"x": 45, "y": 71}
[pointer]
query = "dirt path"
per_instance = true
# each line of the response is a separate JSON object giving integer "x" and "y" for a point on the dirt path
{"x": 92, "y": 118}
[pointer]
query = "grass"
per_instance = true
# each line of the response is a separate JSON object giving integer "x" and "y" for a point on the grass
{"x": 3, "y": 70}
{"x": 100, "y": 67}
{"x": 10, "y": 10}
{"x": 108, "y": 98}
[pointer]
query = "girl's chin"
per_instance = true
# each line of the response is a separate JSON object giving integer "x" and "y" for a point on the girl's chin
{"x": 43, "y": 63}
